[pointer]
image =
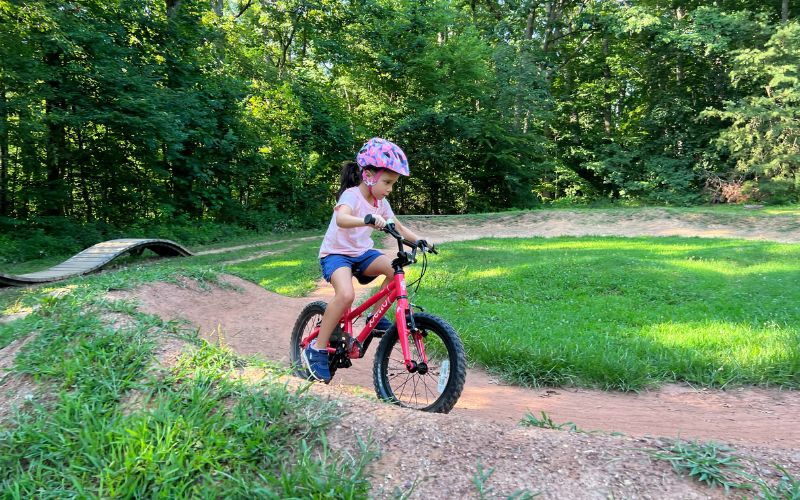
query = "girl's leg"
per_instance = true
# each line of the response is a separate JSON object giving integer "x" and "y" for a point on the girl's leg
{"x": 380, "y": 266}
{"x": 342, "y": 281}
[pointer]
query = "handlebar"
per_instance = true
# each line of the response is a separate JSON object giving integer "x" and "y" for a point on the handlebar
{"x": 390, "y": 229}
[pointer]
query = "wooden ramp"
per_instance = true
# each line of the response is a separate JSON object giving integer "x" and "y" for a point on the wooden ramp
{"x": 93, "y": 258}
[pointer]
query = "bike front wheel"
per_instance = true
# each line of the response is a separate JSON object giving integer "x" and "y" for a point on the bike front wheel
{"x": 439, "y": 387}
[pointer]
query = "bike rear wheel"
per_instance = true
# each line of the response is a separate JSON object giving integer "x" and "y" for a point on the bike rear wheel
{"x": 309, "y": 319}
{"x": 438, "y": 389}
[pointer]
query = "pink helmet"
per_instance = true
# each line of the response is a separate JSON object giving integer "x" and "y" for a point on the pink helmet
{"x": 381, "y": 153}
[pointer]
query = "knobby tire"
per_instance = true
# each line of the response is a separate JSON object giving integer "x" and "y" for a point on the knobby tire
{"x": 432, "y": 392}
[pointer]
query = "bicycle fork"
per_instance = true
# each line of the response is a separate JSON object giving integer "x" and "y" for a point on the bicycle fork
{"x": 405, "y": 320}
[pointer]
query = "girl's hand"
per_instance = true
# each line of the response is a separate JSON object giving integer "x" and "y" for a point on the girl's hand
{"x": 375, "y": 220}
{"x": 425, "y": 245}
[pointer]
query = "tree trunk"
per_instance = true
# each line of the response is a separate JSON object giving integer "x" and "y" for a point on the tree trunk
{"x": 29, "y": 161}
{"x": 172, "y": 7}
{"x": 606, "y": 94}
{"x": 785, "y": 11}
{"x": 531, "y": 21}
{"x": 434, "y": 194}
{"x": 679, "y": 14}
{"x": 87, "y": 199}
{"x": 13, "y": 175}
{"x": 4, "y": 208}
{"x": 179, "y": 157}
{"x": 525, "y": 59}
{"x": 55, "y": 144}
{"x": 217, "y": 7}
{"x": 555, "y": 10}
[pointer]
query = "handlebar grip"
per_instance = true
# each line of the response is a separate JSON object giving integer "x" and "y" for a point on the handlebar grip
{"x": 369, "y": 219}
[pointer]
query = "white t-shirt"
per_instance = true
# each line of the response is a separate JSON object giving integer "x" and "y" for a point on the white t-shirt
{"x": 355, "y": 240}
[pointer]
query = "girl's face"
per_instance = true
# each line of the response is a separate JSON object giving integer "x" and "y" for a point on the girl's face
{"x": 386, "y": 181}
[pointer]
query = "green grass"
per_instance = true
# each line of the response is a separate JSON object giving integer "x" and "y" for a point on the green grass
{"x": 788, "y": 487}
{"x": 617, "y": 313}
{"x": 11, "y": 332}
{"x": 623, "y": 313}
{"x": 107, "y": 422}
{"x": 483, "y": 490}
{"x": 545, "y": 421}
{"x": 709, "y": 463}
{"x": 254, "y": 239}
{"x": 293, "y": 273}
{"x": 614, "y": 313}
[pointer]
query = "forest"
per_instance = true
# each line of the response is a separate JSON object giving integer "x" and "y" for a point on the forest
{"x": 115, "y": 113}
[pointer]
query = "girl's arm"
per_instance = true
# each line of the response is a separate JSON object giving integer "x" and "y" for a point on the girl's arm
{"x": 346, "y": 219}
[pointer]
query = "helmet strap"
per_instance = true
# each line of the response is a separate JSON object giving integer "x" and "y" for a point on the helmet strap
{"x": 370, "y": 183}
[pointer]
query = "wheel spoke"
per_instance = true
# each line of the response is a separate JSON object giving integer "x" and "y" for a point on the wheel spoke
{"x": 424, "y": 380}
{"x": 411, "y": 388}
{"x": 403, "y": 387}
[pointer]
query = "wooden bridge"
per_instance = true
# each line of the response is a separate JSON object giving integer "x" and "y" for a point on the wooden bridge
{"x": 95, "y": 257}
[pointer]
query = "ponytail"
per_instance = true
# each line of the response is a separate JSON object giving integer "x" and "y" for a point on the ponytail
{"x": 351, "y": 176}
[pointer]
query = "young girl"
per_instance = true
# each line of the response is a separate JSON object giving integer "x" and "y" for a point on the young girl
{"x": 347, "y": 248}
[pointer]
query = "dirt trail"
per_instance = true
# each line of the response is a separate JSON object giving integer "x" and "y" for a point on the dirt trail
{"x": 253, "y": 321}
{"x": 765, "y": 422}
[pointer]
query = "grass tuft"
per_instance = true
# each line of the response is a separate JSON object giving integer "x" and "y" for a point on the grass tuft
{"x": 544, "y": 421}
{"x": 709, "y": 463}
{"x": 481, "y": 478}
{"x": 787, "y": 488}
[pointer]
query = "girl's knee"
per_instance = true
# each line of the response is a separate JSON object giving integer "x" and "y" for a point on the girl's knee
{"x": 346, "y": 296}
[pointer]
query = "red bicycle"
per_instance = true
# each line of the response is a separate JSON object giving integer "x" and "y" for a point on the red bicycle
{"x": 420, "y": 361}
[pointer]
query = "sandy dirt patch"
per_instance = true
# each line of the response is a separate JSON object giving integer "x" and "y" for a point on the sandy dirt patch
{"x": 15, "y": 389}
{"x": 639, "y": 222}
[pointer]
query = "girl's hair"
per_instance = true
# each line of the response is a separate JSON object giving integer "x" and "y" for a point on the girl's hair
{"x": 351, "y": 176}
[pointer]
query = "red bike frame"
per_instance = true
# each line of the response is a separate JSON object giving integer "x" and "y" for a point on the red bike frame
{"x": 394, "y": 291}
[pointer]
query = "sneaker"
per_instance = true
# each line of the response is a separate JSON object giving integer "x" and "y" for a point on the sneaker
{"x": 382, "y": 326}
{"x": 317, "y": 363}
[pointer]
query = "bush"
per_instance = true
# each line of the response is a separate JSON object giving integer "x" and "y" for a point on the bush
{"x": 776, "y": 191}
{"x": 45, "y": 237}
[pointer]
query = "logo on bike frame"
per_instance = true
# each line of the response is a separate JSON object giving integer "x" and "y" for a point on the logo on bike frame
{"x": 379, "y": 313}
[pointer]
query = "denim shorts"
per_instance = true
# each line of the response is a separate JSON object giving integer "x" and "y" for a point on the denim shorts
{"x": 358, "y": 265}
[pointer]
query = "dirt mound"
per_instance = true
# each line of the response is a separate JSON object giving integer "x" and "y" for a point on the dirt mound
{"x": 439, "y": 455}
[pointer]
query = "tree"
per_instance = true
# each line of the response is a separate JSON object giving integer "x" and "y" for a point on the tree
{"x": 764, "y": 133}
